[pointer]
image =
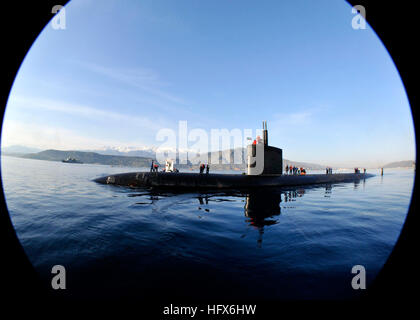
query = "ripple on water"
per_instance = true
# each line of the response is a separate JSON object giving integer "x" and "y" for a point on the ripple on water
{"x": 285, "y": 243}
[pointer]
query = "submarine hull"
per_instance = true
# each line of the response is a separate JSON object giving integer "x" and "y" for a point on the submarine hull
{"x": 223, "y": 181}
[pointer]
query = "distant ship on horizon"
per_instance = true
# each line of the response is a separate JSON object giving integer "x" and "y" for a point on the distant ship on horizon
{"x": 71, "y": 160}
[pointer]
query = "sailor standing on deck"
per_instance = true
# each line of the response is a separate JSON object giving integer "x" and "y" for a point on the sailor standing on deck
{"x": 151, "y": 167}
{"x": 207, "y": 169}
{"x": 287, "y": 169}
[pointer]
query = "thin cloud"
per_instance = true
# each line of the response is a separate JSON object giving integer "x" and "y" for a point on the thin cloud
{"x": 81, "y": 111}
{"x": 50, "y": 137}
{"x": 144, "y": 79}
{"x": 299, "y": 117}
{"x": 290, "y": 122}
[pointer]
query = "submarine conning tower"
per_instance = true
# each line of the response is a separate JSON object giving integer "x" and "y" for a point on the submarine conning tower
{"x": 262, "y": 158}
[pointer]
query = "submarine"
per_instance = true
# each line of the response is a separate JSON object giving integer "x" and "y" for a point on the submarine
{"x": 264, "y": 169}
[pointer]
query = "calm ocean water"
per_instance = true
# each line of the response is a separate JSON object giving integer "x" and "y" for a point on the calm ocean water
{"x": 292, "y": 243}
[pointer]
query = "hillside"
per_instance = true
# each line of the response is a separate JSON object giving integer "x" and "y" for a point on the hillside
{"x": 90, "y": 157}
{"x": 225, "y": 161}
{"x": 401, "y": 164}
{"x": 136, "y": 161}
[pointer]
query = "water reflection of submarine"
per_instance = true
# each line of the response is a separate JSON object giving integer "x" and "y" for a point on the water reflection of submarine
{"x": 261, "y": 205}
{"x": 259, "y": 208}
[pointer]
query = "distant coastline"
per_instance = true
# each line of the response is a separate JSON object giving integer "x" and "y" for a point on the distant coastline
{"x": 400, "y": 164}
{"x": 138, "y": 161}
{"x": 85, "y": 157}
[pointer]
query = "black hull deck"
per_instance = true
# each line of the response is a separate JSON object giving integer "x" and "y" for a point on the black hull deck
{"x": 183, "y": 180}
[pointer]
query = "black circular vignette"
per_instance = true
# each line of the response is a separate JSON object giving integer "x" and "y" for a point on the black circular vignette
{"x": 21, "y": 23}
{"x": 395, "y": 26}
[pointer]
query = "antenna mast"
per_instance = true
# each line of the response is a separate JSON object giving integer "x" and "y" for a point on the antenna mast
{"x": 265, "y": 133}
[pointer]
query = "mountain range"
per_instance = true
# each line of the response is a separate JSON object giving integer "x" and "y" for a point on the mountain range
{"x": 401, "y": 164}
{"x": 127, "y": 159}
{"x": 16, "y": 149}
{"x": 90, "y": 157}
{"x": 132, "y": 157}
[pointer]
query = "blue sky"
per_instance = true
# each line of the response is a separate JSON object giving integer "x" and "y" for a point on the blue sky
{"x": 122, "y": 70}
